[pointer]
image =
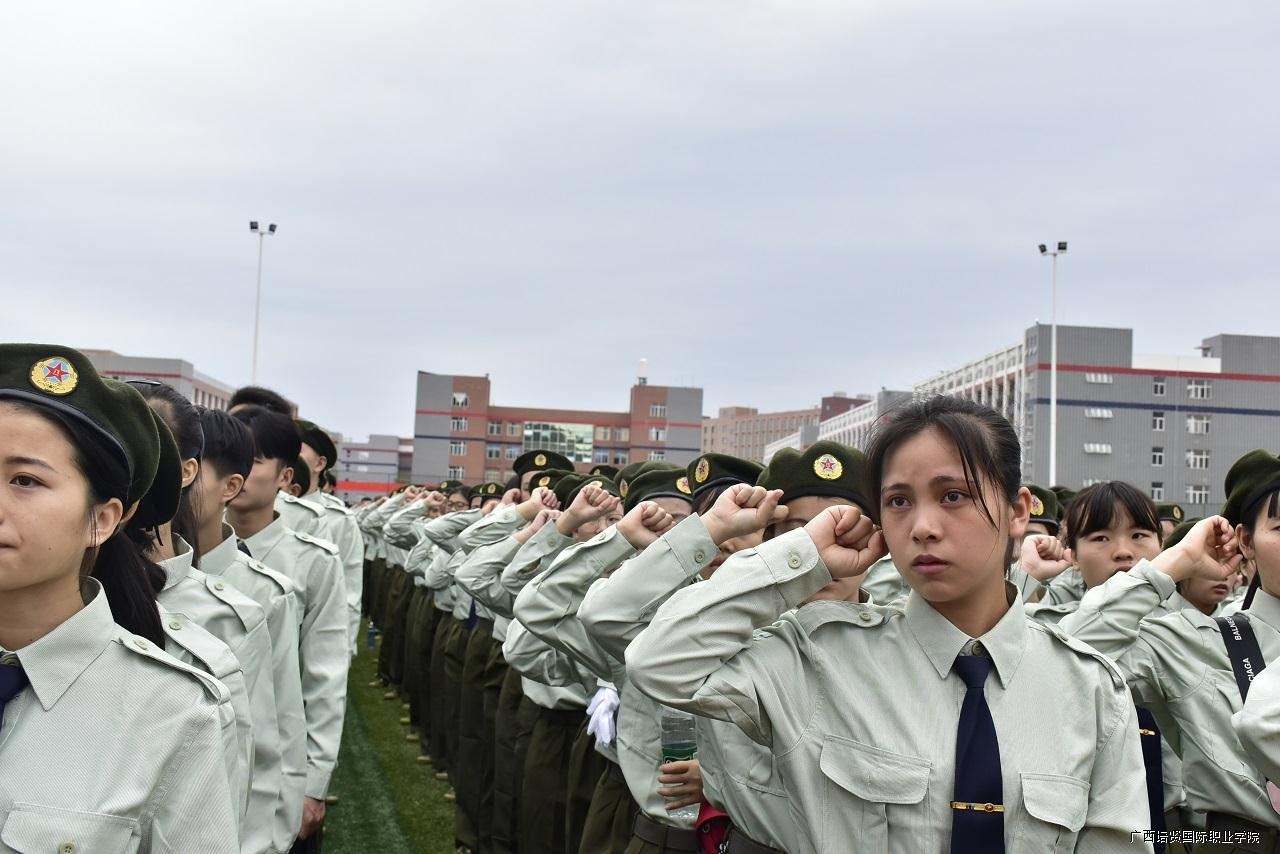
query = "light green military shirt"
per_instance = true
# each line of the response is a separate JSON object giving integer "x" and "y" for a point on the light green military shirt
{"x": 860, "y": 707}
{"x": 274, "y": 592}
{"x": 344, "y": 532}
{"x": 1177, "y": 666}
{"x": 113, "y": 746}
{"x": 316, "y": 572}
{"x": 1257, "y": 724}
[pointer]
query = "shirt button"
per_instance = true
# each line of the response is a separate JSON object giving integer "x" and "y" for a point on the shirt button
{"x": 219, "y": 586}
{"x": 794, "y": 561}
{"x": 978, "y": 649}
{"x": 140, "y": 643}
{"x": 866, "y": 618}
{"x": 67, "y": 848}
{"x": 175, "y": 624}
{"x": 699, "y": 556}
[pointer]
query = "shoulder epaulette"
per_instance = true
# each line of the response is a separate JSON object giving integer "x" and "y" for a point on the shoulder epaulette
{"x": 1080, "y": 647}
{"x": 316, "y": 541}
{"x": 139, "y": 645}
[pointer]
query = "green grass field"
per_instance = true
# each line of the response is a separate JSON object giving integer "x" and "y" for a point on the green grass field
{"x": 388, "y": 803}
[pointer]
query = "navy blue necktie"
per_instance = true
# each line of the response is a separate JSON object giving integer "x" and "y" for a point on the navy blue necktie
{"x": 12, "y": 680}
{"x": 1149, "y": 738}
{"x": 977, "y": 806}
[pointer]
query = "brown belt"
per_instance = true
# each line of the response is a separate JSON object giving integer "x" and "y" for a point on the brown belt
{"x": 740, "y": 843}
{"x": 664, "y": 836}
{"x": 1243, "y": 833}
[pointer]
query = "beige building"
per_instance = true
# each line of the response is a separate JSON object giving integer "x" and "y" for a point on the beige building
{"x": 200, "y": 389}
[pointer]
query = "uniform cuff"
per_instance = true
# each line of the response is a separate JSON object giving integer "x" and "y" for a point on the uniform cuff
{"x": 792, "y": 559}
{"x": 318, "y": 782}
{"x": 1163, "y": 584}
{"x": 691, "y": 545}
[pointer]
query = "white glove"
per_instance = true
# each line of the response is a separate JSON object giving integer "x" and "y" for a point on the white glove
{"x": 602, "y": 708}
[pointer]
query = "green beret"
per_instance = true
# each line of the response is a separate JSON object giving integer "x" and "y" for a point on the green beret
{"x": 160, "y": 504}
{"x": 1250, "y": 479}
{"x": 657, "y": 483}
{"x": 486, "y": 491}
{"x": 712, "y": 470}
{"x": 1065, "y": 495}
{"x": 447, "y": 486}
{"x": 825, "y": 469}
{"x": 608, "y": 471}
{"x": 539, "y": 460}
{"x": 566, "y": 484}
{"x": 1044, "y": 506}
{"x": 548, "y": 478}
{"x": 1170, "y": 512}
{"x": 62, "y": 380}
{"x": 320, "y": 441}
{"x": 599, "y": 480}
{"x": 1176, "y": 535}
{"x": 631, "y": 472}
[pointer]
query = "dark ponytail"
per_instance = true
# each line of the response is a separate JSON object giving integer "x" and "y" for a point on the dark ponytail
{"x": 183, "y": 419}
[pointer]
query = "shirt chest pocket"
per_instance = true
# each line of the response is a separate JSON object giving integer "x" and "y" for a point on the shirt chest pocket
{"x": 1056, "y": 807}
{"x": 34, "y": 829}
{"x": 871, "y": 792}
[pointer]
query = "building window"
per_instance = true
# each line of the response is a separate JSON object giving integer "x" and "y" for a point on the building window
{"x": 1097, "y": 447}
{"x": 1197, "y": 494}
{"x": 492, "y": 475}
{"x": 1198, "y": 424}
{"x": 460, "y": 399}
{"x": 657, "y": 410}
{"x": 622, "y": 434}
{"x": 362, "y": 455}
{"x": 457, "y": 473}
{"x": 1157, "y": 456}
{"x": 620, "y": 458}
{"x": 1157, "y": 421}
{"x": 513, "y": 451}
{"x": 1089, "y": 481}
{"x": 515, "y": 429}
{"x": 1157, "y": 386}
{"x": 1093, "y": 412}
{"x": 492, "y": 452}
{"x": 1198, "y": 458}
{"x": 1098, "y": 378}
{"x": 1199, "y": 390}
{"x": 457, "y": 425}
{"x": 1157, "y": 490}
{"x": 602, "y": 434}
{"x": 658, "y": 455}
{"x": 457, "y": 449}
{"x": 494, "y": 428}
{"x": 657, "y": 434}
{"x": 602, "y": 456}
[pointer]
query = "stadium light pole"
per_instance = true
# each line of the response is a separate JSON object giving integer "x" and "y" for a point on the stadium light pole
{"x": 1053, "y": 358}
{"x": 262, "y": 233}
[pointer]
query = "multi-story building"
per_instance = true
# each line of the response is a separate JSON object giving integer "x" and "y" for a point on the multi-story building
{"x": 200, "y": 389}
{"x": 852, "y": 427}
{"x": 995, "y": 380}
{"x": 459, "y": 433}
{"x": 744, "y": 431}
{"x": 369, "y": 469}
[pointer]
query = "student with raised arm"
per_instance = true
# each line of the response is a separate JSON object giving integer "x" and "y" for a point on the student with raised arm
{"x": 920, "y": 728}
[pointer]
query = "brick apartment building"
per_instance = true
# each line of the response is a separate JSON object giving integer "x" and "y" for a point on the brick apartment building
{"x": 744, "y": 431}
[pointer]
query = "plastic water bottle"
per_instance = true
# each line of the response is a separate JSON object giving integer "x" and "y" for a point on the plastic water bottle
{"x": 371, "y": 637}
{"x": 679, "y": 743}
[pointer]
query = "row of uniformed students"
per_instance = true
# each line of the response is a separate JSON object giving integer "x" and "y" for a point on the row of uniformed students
{"x": 902, "y": 651}
{"x": 173, "y": 653}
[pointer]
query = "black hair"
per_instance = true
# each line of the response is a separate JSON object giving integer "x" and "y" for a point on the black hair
{"x": 985, "y": 440}
{"x": 256, "y": 395}
{"x": 302, "y": 475}
{"x": 329, "y": 479}
{"x": 709, "y": 497}
{"x": 274, "y": 436}
{"x": 1094, "y": 509}
{"x": 183, "y": 420}
{"x": 129, "y": 581}
{"x": 512, "y": 483}
{"x": 1269, "y": 500}
{"x": 228, "y": 444}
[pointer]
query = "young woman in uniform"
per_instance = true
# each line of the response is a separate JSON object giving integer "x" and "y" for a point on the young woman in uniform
{"x": 920, "y": 728}
{"x": 106, "y": 742}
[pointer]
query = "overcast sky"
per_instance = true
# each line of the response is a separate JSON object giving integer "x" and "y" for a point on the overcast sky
{"x": 770, "y": 200}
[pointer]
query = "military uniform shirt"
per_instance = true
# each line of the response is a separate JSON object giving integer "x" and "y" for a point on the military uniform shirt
{"x": 1257, "y": 725}
{"x": 344, "y": 532}
{"x": 859, "y": 705}
{"x": 313, "y": 567}
{"x": 113, "y": 747}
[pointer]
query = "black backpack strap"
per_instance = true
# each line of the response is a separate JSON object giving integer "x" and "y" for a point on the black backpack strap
{"x": 1243, "y": 650}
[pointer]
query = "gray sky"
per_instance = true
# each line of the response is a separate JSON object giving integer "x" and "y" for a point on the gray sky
{"x": 771, "y": 200}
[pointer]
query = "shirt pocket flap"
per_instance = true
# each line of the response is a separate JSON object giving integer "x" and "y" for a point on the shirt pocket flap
{"x": 33, "y": 829}
{"x": 1057, "y": 799}
{"x": 872, "y": 774}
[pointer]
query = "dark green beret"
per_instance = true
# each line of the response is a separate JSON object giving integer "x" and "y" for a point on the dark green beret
{"x": 712, "y": 470}
{"x": 486, "y": 491}
{"x": 63, "y": 380}
{"x": 1044, "y": 506}
{"x": 657, "y": 483}
{"x": 608, "y": 471}
{"x": 566, "y": 484}
{"x": 1176, "y": 535}
{"x": 548, "y": 478}
{"x": 539, "y": 460}
{"x": 1170, "y": 512}
{"x": 1065, "y": 495}
{"x": 599, "y": 480}
{"x": 1250, "y": 479}
{"x": 447, "y": 486}
{"x": 631, "y": 472}
{"x": 825, "y": 469}
{"x": 320, "y": 441}
{"x": 160, "y": 504}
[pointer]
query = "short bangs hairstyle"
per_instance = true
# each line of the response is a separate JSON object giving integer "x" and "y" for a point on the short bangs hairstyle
{"x": 274, "y": 436}
{"x": 984, "y": 439}
{"x": 1095, "y": 507}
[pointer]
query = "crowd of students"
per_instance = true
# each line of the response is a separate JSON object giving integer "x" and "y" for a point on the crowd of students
{"x": 902, "y": 650}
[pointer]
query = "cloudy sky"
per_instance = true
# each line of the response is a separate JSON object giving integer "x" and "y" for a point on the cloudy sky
{"x": 768, "y": 199}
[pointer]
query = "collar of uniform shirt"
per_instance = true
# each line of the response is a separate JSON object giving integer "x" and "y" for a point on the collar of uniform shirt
{"x": 261, "y": 543}
{"x": 942, "y": 642}
{"x": 57, "y": 659}
{"x": 1266, "y": 608}
{"x": 219, "y": 558}
{"x": 179, "y": 566}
